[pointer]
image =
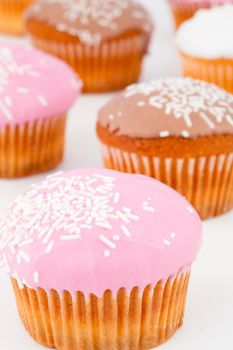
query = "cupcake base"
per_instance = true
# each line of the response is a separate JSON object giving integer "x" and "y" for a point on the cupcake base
{"x": 109, "y": 66}
{"x": 206, "y": 181}
{"x": 126, "y": 321}
{"x": 11, "y": 15}
{"x": 32, "y": 147}
{"x": 219, "y": 71}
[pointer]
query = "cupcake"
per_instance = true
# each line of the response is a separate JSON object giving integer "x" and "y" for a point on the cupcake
{"x": 205, "y": 43}
{"x": 103, "y": 40}
{"x": 179, "y": 131}
{"x": 100, "y": 259}
{"x": 185, "y": 9}
{"x": 11, "y": 15}
{"x": 32, "y": 109}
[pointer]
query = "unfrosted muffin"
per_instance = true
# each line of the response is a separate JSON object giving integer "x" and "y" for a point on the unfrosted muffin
{"x": 11, "y": 15}
{"x": 185, "y": 9}
{"x": 103, "y": 40}
{"x": 100, "y": 259}
{"x": 205, "y": 43}
{"x": 36, "y": 91}
{"x": 179, "y": 131}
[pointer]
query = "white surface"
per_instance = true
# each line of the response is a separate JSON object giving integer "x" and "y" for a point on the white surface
{"x": 209, "y": 313}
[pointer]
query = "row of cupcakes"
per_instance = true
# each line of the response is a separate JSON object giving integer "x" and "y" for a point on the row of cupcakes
{"x": 178, "y": 130}
{"x": 105, "y": 41}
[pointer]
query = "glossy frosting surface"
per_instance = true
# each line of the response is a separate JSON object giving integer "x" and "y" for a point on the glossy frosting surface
{"x": 92, "y": 21}
{"x": 169, "y": 107}
{"x": 33, "y": 85}
{"x": 95, "y": 229}
{"x": 208, "y": 34}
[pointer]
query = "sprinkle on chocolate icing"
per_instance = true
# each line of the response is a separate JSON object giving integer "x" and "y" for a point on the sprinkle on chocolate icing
{"x": 169, "y": 107}
{"x": 93, "y": 20}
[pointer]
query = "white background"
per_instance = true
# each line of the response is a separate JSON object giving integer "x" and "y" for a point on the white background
{"x": 209, "y": 313}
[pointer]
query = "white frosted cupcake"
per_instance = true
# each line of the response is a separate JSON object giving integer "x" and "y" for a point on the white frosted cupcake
{"x": 205, "y": 43}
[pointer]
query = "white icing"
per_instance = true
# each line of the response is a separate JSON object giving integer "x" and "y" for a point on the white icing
{"x": 209, "y": 34}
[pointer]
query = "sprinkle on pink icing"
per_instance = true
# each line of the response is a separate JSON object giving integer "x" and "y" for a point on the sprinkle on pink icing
{"x": 33, "y": 85}
{"x": 96, "y": 229}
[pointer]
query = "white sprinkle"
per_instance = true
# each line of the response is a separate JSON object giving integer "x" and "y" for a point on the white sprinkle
{"x": 123, "y": 217}
{"x": 54, "y": 174}
{"x": 116, "y": 197}
{"x": 116, "y": 238}
{"x": 104, "y": 177}
{"x": 185, "y": 133}
{"x": 229, "y": 119}
{"x": 22, "y": 90}
{"x": 126, "y": 231}
{"x": 167, "y": 242}
{"x": 8, "y": 101}
{"x": 127, "y": 210}
{"x": 84, "y": 226}
{"x": 49, "y": 247}
{"x": 164, "y": 133}
{"x": 36, "y": 277}
{"x": 48, "y": 236}
{"x": 150, "y": 209}
{"x": 106, "y": 225}
{"x": 24, "y": 256}
{"x": 111, "y": 117}
{"x": 173, "y": 235}
{"x": 106, "y": 253}
{"x": 141, "y": 103}
{"x": 106, "y": 241}
{"x": 207, "y": 120}
{"x": 190, "y": 210}
{"x": 27, "y": 242}
{"x": 42, "y": 100}
{"x": 70, "y": 237}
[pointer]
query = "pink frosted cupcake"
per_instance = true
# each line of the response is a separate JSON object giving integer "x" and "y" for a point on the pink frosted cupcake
{"x": 185, "y": 9}
{"x": 36, "y": 90}
{"x": 100, "y": 259}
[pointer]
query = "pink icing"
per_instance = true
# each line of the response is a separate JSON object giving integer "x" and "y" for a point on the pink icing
{"x": 33, "y": 85}
{"x": 203, "y": 2}
{"x": 92, "y": 230}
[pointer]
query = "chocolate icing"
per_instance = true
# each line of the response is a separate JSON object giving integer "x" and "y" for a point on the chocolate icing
{"x": 92, "y": 21}
{"x": 169, "y": 107}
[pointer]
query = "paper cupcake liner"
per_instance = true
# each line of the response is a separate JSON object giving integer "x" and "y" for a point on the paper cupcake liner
{"x": 206, "y": 182}
{"x": 219, "y": 72}
{"x": 11, "y": 15}
{"x": 184, "y": 11}
{"x": 110, "y": 66}
{"x": 32, "y": 147}
{"x": 126, "y": 321}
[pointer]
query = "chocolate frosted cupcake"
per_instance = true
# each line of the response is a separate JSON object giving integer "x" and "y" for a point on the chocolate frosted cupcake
{"x": 100, "y": 259}
{"x": 103, "y": 40}
{"x": 179, "y": 131}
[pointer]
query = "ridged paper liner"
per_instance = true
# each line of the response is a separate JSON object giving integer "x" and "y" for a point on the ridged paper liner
{"x": 219, "y": 71}
{"x": 109, "y": 66}
{"x": 185, "y": 10}
{"x": 125, "y": 321}
{"x": 11, "y": 15}
{"x": 206, "y": 182}
{"x": 31, "y": 147}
